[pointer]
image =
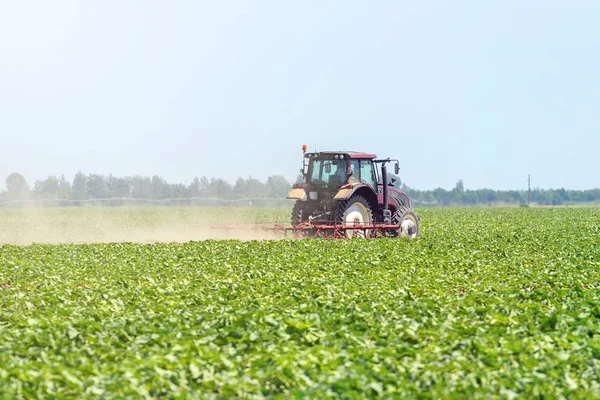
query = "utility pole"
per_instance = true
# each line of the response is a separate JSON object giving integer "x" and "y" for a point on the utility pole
{"x": 528, "y": 190}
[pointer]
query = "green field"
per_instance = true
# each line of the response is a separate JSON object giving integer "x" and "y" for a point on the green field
{"x": 487, "y": 303}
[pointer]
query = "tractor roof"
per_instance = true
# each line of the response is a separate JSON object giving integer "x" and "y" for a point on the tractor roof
{"x": 351, "y": 154}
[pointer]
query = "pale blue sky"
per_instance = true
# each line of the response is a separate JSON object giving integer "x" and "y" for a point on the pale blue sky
{"x": 484, "y": 91}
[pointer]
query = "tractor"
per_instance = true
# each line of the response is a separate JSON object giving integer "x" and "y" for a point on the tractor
{"x": 345, "y": 194}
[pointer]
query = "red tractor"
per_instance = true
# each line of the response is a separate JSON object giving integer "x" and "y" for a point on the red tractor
{"x": 344, "y": 194}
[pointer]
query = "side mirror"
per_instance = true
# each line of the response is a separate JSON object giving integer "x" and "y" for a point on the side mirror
{"x": 396, "y": 169}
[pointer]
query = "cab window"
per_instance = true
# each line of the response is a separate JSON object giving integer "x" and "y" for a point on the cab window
{"x": 328, "y": 171}
{"x": 367, "y": 174}
{"x": 355, "y": 169}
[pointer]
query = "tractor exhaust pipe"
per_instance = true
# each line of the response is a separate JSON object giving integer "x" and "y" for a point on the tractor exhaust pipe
{"x": 387, "y": 214}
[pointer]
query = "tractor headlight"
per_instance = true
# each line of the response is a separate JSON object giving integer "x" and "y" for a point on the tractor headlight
{"x": 312, "y": 195}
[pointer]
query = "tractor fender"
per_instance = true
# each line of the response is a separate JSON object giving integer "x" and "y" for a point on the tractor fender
{"x": 348, "y": 190}
{"x": 358, "y": 188}
{"x": 395, "y": 202}
{"x": 401, "y": 198}
{"x": 343, "y": 194}
{"x": 297, "y": 194}
{"x": 397, "y": 198}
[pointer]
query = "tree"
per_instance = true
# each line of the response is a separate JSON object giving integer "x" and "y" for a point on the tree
{"x": 460, "y": 186}
{"x": 96, "y": 187}
{"x": 194, "y": 189}
{"x": 199, "y": 187}
{"x": 469, "y": 197}
{"x": 79, "y": 186}
{"x": 277, "y": 186}
{"x": 178, "y": 191}
{"x": 249, "y": 188}
{"x": 490, "y": 196}
{"x": 218, "y": 188}
{"x": 119, "y": 187}
{"x": 64, "y": 188}
{"x": 48, "y": 188}
{"x": 442, "y": 196}
{"x": 16, "y": 187}
{"x": 255, "y": 189}
{"x": 160, "y": 188}
{"x": 141, "y": 187}
{"x": 240, "y": 188}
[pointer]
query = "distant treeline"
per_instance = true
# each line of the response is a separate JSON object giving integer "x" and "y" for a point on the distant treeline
{"x": 93, "y": 186}
{"x": 458, "y": 196}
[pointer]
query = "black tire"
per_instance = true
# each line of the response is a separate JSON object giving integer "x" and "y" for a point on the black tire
{"x": 402, "y": 199}
{"x": 298, "y": 214}
{"x": 343, "y": 206}
{"x": 399, "y": 216}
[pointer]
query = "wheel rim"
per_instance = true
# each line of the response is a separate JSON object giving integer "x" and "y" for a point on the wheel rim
{"x": 408, "y": 227}
{"x": 356, "y": 213}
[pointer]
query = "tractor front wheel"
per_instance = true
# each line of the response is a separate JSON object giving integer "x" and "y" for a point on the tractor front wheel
{"x": 298, "y": 214}
{"x": 408, "y": 221}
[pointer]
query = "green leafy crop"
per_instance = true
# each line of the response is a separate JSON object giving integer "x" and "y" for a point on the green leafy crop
{"x": 487, "y": 303}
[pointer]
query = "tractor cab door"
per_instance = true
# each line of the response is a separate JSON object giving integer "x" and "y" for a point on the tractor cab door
{"x": 354, "y": 171}
{"x": 367, "y": 173}
{"x": 363, "y": 171}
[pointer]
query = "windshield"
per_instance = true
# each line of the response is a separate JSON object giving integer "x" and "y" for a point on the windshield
{"x": 329, "y": 172}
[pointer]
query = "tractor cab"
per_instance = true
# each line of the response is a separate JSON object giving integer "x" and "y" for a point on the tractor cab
{"x": 336, "y": 169}
{"x": 326, "y": 171}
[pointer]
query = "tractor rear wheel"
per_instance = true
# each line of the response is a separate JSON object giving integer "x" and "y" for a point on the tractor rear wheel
{"x": 354, "y": 210}
{"x": 408, "y": 221}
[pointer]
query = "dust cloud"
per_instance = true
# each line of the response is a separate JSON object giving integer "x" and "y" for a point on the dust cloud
{"x": 136, "y": 225}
